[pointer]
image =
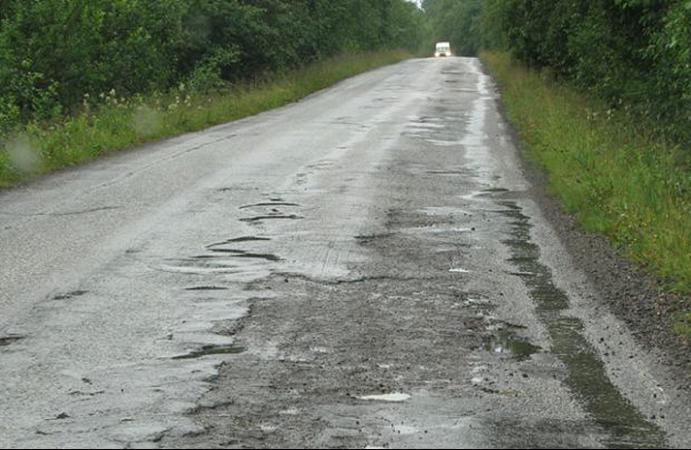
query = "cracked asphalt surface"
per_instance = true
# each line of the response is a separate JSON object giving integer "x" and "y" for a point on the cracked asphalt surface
{"x": 368, "y": 267}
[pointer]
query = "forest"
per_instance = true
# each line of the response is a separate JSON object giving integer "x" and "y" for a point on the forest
{"x": 634, "y": 54}
{"x": 57, "y": 55}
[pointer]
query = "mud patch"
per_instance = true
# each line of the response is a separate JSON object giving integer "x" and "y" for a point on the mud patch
{"x": 586, "y": 375}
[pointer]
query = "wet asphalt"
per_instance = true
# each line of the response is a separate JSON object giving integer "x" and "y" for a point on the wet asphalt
{"x": 368, "y": 267}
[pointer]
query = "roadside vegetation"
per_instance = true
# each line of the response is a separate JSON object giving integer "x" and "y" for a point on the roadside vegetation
{"x": 79, "y": 78}
{"x": 600, "y": 94}
{"x": 619, "y": 180}
{"x": 115, "y": 122}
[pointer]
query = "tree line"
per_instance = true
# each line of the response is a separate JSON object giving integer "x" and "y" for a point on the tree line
{"x": 55, "y": 55}
{"x": 634, "y": 54}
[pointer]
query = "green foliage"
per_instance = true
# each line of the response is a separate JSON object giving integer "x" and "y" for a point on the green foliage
{"x": 634, "y": 54}
{"x": 458, "y": 22}
{"x": 615, "y": 177}
{"x": 60, "y": 56}
{"x": 116, "y": 122}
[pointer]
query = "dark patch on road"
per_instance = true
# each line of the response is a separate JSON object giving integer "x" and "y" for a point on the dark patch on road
{"x": 212, "y": 350}
{"x": 507, "y": 343}
{"x": 9, "y": 340}
{"x": 271, "y": 217}
{"x": 269, "y": 204}
{"x": 245, "y": 254}
{"x": 239, "y": 239}
{"x": 70, "y": 295}
{"x": 587, "y": 376}
{"x": 367, "y": 238}
{"x": 207, "y": 288}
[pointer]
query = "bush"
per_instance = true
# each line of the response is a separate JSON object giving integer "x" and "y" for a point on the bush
{"x": 56, "y": 53}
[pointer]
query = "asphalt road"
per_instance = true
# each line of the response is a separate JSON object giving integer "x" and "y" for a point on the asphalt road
{"x": 365, "y": 268}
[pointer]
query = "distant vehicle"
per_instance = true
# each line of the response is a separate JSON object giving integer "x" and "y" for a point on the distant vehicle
{"x": 443, "y": 49}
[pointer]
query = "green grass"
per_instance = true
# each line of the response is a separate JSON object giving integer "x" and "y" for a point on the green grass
{"x": 108, "y": 123}
{"x": 605, "y": 168}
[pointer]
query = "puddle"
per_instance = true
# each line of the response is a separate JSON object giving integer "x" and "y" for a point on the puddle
{"x": 586, "y": 374}
{"x": 239, "y": 239}
{"x": 364, "y": 238}
{"x": 207, "y": 288}
{"x": 266, "y": 256}
{"x": 8, "y": 340}
{"x": 197, "y": 263}
{"x": 70, "y": 295}
{"x": 395, "y": 397}
{"x": 212, "y": 350}
{"x": 507, "y": 343}
{"x": 270, "y": 217}
{"x": 269, "y": 204}
{"x": 235, "y": 253}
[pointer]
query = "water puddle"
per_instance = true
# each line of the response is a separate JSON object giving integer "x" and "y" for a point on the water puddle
{"x": 10, "y": 339}
{"x": 207, "y": 288}
{"x": 239, "y": 239}
{"x": 587, "y": 376}
{"x": 271, "y": 217}
{"x": 266, "y": 256}
{"x": 212, "y": 350}
{"x": 394, "y": 397}
{"x": 506, "y": 343}
{"x": 70, "y": 295}
{"x": 255, "y": 205}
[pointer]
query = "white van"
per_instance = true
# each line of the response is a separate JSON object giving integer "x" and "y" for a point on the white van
{"x": 443, "y": 49}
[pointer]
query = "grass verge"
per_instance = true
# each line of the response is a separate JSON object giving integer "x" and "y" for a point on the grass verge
{"x": 108, "y": 123}
{"x": 617, "y": 179}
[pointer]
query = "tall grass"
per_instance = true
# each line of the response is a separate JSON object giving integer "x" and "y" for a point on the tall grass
{"x": 605, "y": 168}
{"x": 108, "y": 123}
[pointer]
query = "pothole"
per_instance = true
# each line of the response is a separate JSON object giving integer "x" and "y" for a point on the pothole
{"x": 271, "y": 217}
{"x": 207, "y": 288}
{"x": 70, "y": 295}
{"x": 269, "y": 204}
{"x": 10, "y": 339}
{"x": 212, "y": 350}
{"x": 507, "y": 343}
{"x": 239, "y": 239}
